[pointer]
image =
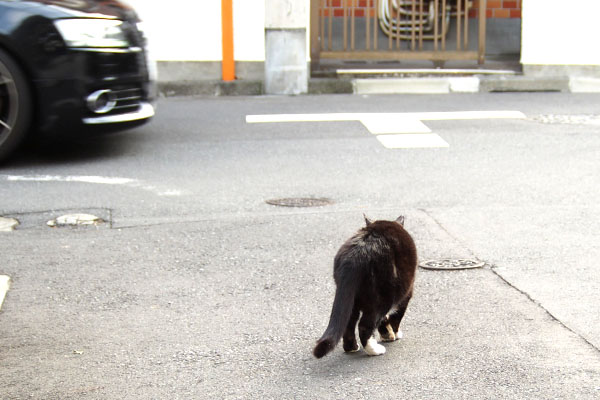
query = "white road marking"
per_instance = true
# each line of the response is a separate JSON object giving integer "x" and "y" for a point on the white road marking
{"x": 423, "y": 116}
{"x": 4, "y": 286}
{"x": 393, "y": 123}
{"x": 401, "y": 130}
{"x": 85, "y": 179}
{"x": 102, "y": 180}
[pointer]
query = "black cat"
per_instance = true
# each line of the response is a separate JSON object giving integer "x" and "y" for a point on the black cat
{"x": 374, "y": 272}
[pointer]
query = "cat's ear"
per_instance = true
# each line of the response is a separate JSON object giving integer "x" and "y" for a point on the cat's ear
{"x": 400, "y": 220}
{"x": 367, "y": 220}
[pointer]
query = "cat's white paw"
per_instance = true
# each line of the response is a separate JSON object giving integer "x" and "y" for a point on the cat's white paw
{"x": 373, "y": 348}
{"x": 399, "y": 334}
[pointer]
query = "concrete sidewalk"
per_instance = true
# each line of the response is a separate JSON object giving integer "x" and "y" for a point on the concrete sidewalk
{"x": 392, "y": 84}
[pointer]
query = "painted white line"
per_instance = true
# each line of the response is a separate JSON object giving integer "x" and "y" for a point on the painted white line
{"x": 325, "y": 117}
{"x": 412, "y": 141}
{"x": 4, "y": 286}
{"x": 423, "y": 116}
{"x": 101, "y": 180}
{"x": 394, "y": 123}
{"x": 84, "y": 179}
{"x": 413, "y": 132}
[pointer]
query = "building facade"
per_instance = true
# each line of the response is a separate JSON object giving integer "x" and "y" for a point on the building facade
{"x": 553, "y": 37}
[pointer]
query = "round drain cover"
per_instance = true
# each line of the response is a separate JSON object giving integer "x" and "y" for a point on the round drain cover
{"x": 447, "y": 264}
{"x": 300, "y": 202}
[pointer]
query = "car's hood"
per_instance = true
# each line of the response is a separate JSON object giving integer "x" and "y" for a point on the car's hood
{"x": 86, "y": 8}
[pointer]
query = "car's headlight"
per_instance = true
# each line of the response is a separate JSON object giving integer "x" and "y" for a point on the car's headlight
{"x": 94, "y": 33}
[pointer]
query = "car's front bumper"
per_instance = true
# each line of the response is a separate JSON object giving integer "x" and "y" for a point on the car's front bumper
{"x": 145, "y": 111}
{"x": 63, "y": 98}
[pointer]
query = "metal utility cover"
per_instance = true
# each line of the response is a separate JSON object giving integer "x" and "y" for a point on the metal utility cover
{"x": 448, "y": 264}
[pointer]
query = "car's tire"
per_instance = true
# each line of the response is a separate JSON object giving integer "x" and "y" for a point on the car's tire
{"x": 15, "y": 105}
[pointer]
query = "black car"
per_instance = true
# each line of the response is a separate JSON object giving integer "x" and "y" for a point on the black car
{"x": 71, "y": 67}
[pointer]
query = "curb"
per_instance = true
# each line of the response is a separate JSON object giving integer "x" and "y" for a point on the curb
{"x": 394, "y": 85}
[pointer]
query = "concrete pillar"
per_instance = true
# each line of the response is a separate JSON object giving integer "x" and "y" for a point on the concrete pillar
{"x": 286, "y": 66}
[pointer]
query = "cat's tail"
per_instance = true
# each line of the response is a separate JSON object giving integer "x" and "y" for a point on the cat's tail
{"x": 343, "y": 302}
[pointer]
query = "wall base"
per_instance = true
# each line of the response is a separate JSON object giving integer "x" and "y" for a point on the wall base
{"x": 191, "y": 71}
{"x": 561, "y": 70}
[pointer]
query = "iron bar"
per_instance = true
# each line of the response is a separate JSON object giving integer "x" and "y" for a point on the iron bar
{"x": 444, "y": 24}
{"x": 420, "y": 26}
{"x": 352, "y": 27}
{"x": 330, "y": 24}
{"x": 375, "y": 31}
{"x": 368, "y": 24}
{"x": 344, "y": 7}
{"x": 458, "y": 25}
{"x": 435, "y": 25}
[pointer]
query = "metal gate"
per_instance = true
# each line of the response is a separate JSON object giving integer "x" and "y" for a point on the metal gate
{"x": 395, "y": 30}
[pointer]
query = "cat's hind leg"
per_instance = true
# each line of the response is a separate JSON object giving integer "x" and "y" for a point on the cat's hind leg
{"x": 366, "y": 327}
{"x": 396, "y": 317}
{"x": 349, "y": 338}
{"x": 386, "y": 331}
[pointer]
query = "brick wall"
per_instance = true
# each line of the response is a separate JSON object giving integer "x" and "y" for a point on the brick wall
{"x": 359, "y": 7}
{"x": 495, "y": 8}
{"x": 499, "y": 9}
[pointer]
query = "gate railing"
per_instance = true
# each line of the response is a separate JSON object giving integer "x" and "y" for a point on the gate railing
{"x": 435, "y": 30}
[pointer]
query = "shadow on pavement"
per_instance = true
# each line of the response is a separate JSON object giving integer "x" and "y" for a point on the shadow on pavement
{"x": 44, "y": 152}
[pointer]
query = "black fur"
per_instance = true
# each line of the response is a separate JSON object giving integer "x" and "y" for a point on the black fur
{"x": 374, "y": 273}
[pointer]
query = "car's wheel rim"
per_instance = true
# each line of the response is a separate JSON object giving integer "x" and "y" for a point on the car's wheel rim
{"x": 9, "y": 103}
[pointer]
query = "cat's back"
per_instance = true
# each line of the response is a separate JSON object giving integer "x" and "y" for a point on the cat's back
{"x": 380, "y": 238}
{"x": 397, "y": 240}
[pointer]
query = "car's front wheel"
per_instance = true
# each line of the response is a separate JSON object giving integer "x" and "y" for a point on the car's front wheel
{"x": 15, "y": 105}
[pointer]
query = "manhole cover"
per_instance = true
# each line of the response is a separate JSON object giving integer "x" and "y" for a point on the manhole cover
{"x": 447, "y": 264}
{"x": 300, "y": 202}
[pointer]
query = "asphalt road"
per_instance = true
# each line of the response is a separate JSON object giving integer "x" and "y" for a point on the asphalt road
{"x": 197, "y": 288}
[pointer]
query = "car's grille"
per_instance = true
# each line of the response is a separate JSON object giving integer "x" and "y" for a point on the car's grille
{"x": 128, "y": 100}
{"x": 115, "y": 65}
